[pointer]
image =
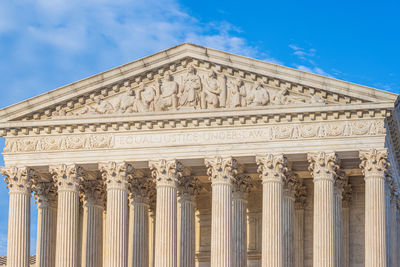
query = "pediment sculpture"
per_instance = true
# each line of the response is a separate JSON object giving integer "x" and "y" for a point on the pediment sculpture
{"x": 192, "y": 89}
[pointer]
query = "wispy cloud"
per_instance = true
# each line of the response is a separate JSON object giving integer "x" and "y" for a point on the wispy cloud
{"x": 307, "y": 59}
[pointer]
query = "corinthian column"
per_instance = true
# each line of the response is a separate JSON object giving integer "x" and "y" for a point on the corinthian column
{"x": 46, "y": 199}
{"x": 93, "y": 197}
{"x": 340, "y": 182}
{"x": 19, "y": 180}
{"x": 323, "y": 167}
{"x": 166, "y": 174}
{"x": 272, "y": 169}
{"x": 347, "y": 195}
{"x": 374, "y": 165}
{"x": 221, "y": 171}
{"x": 290, "y": 183}
{"x": 188, "y": 190}
{"x": 394, "y": 200}
{"x": 67, "y": 179}
{"x": 241, "y": 187}
{"x": 299, "y": 206}
{"x": 138, "y": 255}
{"x": 116, "y": 176}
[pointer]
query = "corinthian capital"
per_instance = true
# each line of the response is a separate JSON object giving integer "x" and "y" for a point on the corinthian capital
{"x": 67, "y": 177}
{"x": 272, "y": 167}
{"x": 166, "y": 172}
{"x": 221, "y": 169}
{"x": 141, "y": 189}
{"x": 323, "y": 165}
{"x": 189, "y": 186}
{"x": 116, "y": 175}
{"x": 18, "y": 179}
{"x": 93, "y": 192}
{"x": 45, "y": 193}
{"x": 374, "y": 163}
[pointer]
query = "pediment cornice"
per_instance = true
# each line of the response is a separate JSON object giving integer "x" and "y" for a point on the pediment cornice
{"x": 102, "y": 94}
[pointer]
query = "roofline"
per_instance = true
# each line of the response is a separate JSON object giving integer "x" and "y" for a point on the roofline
{"x": 199, "y": 52}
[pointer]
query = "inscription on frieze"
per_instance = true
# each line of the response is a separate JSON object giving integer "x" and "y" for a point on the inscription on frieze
{"x": 204, "y": 136}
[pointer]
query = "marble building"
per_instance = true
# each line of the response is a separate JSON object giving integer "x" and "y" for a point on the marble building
{"x": 197, "y": 157}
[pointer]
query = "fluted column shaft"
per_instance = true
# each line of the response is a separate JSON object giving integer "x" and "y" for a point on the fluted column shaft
{"x": 338, "y": 226}
{"x": 345, "y": 235}
{"x": 323, "y": 166}
{"x": 67, "y": 179}
{"x": 93, "y": 211}
{"x": 138, "y": 233}
{"x": 152, "y": 230}
{"x": 272, "y": 169}
{"x": 46, "y": 224}
{"x": 187, "y": 229}
{"x": 116, "y": 176}
{"x": 374, "y": 165}
{"x": 299, "y": 237}
{"x": 239, "y": 213}
{"x": 393, "y": 232}
{"x": 288, "y": 229}
{"x": 166, "y": 174}
{"x": 221, "y": 171}
{"x": 18, "y": 181}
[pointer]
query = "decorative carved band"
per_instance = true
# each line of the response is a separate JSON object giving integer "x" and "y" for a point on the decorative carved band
{"x": 18, "y": 179}
{"x": 221, "y": 169}
{"x": 272, "y": 167}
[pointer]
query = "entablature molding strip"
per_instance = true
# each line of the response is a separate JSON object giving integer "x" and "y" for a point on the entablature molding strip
{"x": 199, "y": 118}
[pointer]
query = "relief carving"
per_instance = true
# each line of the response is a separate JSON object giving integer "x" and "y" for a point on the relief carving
{"x": 194, "y": 89}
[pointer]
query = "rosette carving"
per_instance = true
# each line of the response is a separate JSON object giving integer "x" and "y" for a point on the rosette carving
{"x": 166, "y": 172}
{"x": 323, "y": 165}
{"x": 18, "y": 179}
{"x": 67, "y": 177}
{"x": 272, "y": 167}
{"x": 116, "y": 175}
{"x": 374, "y": 163}
{"x": 221, "y": 169}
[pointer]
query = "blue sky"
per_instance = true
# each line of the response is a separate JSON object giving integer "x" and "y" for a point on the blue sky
{"x": 46, "y": 44}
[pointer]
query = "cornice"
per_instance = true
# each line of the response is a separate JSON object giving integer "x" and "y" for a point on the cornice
{"x": 198, "y": 119}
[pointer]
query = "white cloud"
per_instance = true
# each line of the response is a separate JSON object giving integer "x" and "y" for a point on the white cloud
{"x": 306, "y": 56}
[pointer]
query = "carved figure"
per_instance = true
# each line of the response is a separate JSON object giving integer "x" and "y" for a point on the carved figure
{"x": 101, "y": 106}
{"x": 210, "y": 96}
{"x": 281, "y": 98}
{"x": 127, "y": 102}
{"x": 237, "y": 94}
{"x": 189, "y": 96}
{"x": 257, "y": 96}
{"x": 168, "y": 96}
{"x": 317, "y": 99}
{"x": 145, "y": 97}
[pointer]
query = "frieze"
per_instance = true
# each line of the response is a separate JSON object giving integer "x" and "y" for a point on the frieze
{"x": 294, "y": 131}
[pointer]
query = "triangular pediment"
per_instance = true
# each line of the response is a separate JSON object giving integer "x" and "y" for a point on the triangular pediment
{"x": 187, "y": 78}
